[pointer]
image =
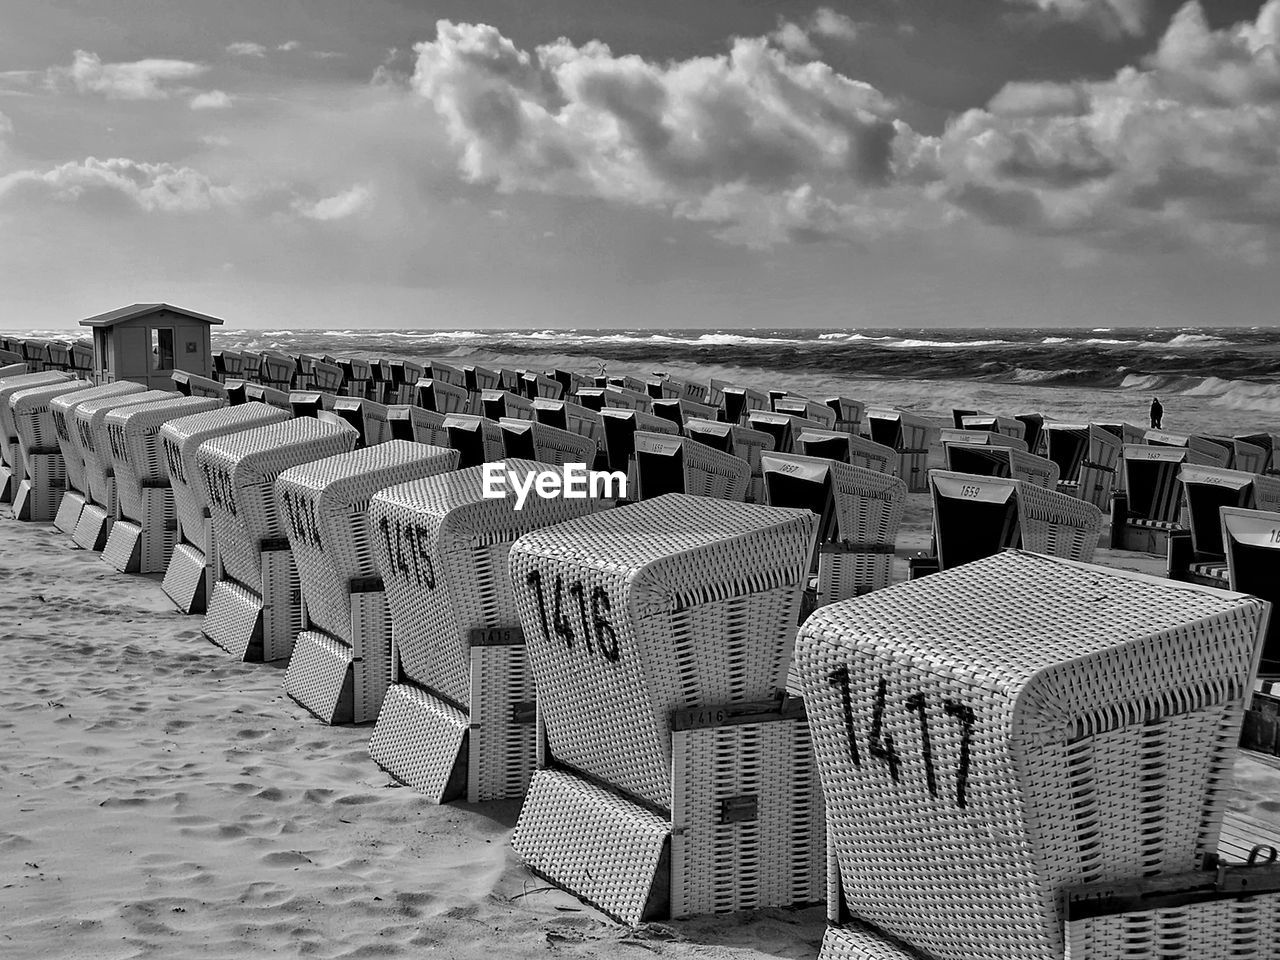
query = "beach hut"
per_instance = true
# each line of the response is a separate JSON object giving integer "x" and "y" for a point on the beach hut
{"x": 193, "y": 567}
{"x": 696, "y": 795}
{"x": 146, "y": 526}
{"x": 39, "y": 469}
{"x": 977, "y": 735}
{"x": 458, "y": 716}
{"x": 88, "y": 420}
{"x": 341, "y": 662}
{"x": 146, "y": 342}
{"x": 254, "y": 611}
{"x": 909, "y": 435}
{"x": 674, "y": 464}
{"x": 61, "y": 410}
{"x": 859, "y": 512}
{"x": 9, "y": 464}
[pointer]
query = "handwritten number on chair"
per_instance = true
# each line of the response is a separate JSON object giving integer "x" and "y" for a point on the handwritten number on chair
{"x": 964, "y": 713}
{"x": 881, "y": 743}
{"x": 563, "y": 629}
{"x": 559, "y": 623}
{"x": 408, "y": 552}
{"x": 840, "y": 679}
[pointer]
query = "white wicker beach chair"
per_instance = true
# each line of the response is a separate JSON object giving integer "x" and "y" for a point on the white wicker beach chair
{"x": 994, "y": 460}
{"x": 193, "y": 385}
{"x": 624, "y": 399}
{"x": 982, "y": 438}
{"x": 530, "y": 440}
{"x": 534, "y": 385}
{"x": 1250, "y": 457}
{"x": 9, "y": 366}
{"x": 441, "y": 396}
{"x": 263, "y": 393}
{"x": 39, "y": 470}
{"x": 680, "y": 412}
{"x": 458, "y": 717}
{"x": 782, "y": 427}
{"x": 672, "y": 779}
{"x": 478, "y": 440}
{"x": 1006, "y": 426}
{"x": 276, "y": 370}
{"x": 408, "y": 422}
{"x": 60, "y": 409}
{"x": 741, "y": 401}
{"x": 620, "y": 427}
{"x": 573, "y": 417}
{"x": 193, "y": 568}
{"x": 146, "y": 524}
{"x": 88, "y": 422}
{"x": 848, "y": 414}
{"x": 1153, "y": 504}
{"x": 806, "y": 409}
{"x": 1204, "y": 491}
{"x": 9, "y": 458}
{"x": 742, "y": 442}
{"x": 341, "y": 661}
{"x": 672, "y": 464}
{"x": 367, "y": 417}
{"x": 909, "y": 436}
{"x": 254, "y": 611}
{"x": 309, "y": 403}
{"x": 1251, "y": 541}
{"x": 994, "y": 736}
{"x": 496, "y": 404}
{"x": 859, "y": 514}
{"x": 1205, "y": 450}
{"x": 847, "y": 448}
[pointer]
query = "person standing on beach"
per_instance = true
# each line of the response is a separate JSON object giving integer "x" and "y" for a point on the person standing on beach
{"x": 1157, "y": 413}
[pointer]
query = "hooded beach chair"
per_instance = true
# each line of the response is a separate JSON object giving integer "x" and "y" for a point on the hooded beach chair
{"x": 367, "y": 417}
{"x": 458, "y": 716}
{"x": 496, "y": 404}
{"x": 9, "y": 465}
{"x": 742, "y": 442}
{"x": 590, "y": 397}
{"x": 680, "y": 411}
{"x": 88, "y": 420}
{"x": 1207, "y": 451}
{"x": 625, "y": 399}
{"x": 479, "y": 379}
{"x": 193, "y": 385}
{"x": 909, "y": 436}
{"x": 441, "y": 396}
{"x": 357, "y": 378}
{"x": 146, "y": 523}
{"x": 534, "y": 385}
{"x": 1251, "y": 544}
{"x": 1005, "y": 426}
{"x": 664, "y": 387}
{"x": 39, "y": 469}
{"x": 859, "y": 512}
{"x": 782, "y": 427}
{"x": 620, "y": 427}
{"x": 64, "y": 426}
{"x": 986, "y": 438}
{"x": 1267, "y": 442}
{"x": 327, "y": 377}
{"x": 308, "y": 403}
{"x": 1266, "y": 492}
{"x": 1199, "y": 554}
{"x": 82, "y": 359}
{"x": 573, "y": 417}
{"x": 254, "y": 611}
{"x": 1143, "y": 517}
{"x": 1033, "y": 432}
{"x": 530, "y": 440}
{"x": 59, "y": 354}
{"x": 446, "y": 373}
{"x": 847, "y": 448}
{"x": 998, "y": 460}
{"x": 1249, "y": 457}
{"x": 674, "y": 619}
{"x": 193, "y": 566}
{"x": 228, "y": 365}
{"x": 741, "y": 401}
{"x": 277, "y": 370}
{"x": 807, "y": 409}
{"x": 341, "y": 661}
{"x": 478, "y": 440}
{"x": 848, "y": 414}
{"x": 673, "y": 464}
{"x": 408, "y": 422}
{"x": 1088, "y": 459}
{"x": 1067, "y": 445}
{"x": 994, "y": 738}
{"x": 260, "y": 393}
{"x": 405, "y": 375}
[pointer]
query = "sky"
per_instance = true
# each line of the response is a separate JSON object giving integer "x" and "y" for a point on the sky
{"x": 585, "y": 163}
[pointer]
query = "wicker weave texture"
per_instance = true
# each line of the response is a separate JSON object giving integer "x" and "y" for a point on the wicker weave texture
{"x": 977, "y": 733}
{"x": 442, "y": 552}
{"x": 325, "y": 503}
{"x": 89, "y": 418}
{"x": 1230, "y": 929}
{"x": 238, "y": 472}
{"x": 672, "y": 603}
{"x": 61, "y": 410}
{"x": 33, "y": 420}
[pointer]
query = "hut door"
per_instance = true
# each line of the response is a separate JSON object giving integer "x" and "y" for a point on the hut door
{"x": 162, "y": 349}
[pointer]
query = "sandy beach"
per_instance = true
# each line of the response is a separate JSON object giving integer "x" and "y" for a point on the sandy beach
{"x": 158, "y": 799}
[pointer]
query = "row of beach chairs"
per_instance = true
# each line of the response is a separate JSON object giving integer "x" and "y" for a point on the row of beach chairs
{"x": 956, "y": 782}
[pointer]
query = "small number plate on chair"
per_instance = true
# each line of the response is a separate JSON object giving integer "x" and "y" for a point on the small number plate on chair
{"x": 739, "y": 809}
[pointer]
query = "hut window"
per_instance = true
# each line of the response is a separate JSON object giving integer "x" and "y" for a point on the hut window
{"x": 162, "y": 348}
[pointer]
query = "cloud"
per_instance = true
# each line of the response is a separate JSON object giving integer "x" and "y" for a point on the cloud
{"x": 1183, "y": 149}
{"x": 825, "y": 23}
{"x": 288, "y": 45}
{"x": 152, "y": 187}
{"x": 137, "y": 80}
{"x": 246, "y": 49}
{"x": 6, "y": 125}
{"x": 210, "y": 100}
{"x": 337, "y": 207}
{"x": 1112, "y": 17}
{"x": 750, "y": 130}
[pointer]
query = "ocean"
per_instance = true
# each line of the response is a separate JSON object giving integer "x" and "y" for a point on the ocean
{"x": 1210, "y": 380}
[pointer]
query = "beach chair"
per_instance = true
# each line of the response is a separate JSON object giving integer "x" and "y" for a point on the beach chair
{"x": 193, "y": 567}
{"x": 742, "y": 442}
{"x": 277, "y": 370}
{"x": 534, "y": 385}
{"x": 573, "y": 417}
{"x": 145, "y": 530}
{"x": 1267, "y": 442}
{"x": 1143, "y": 518}
{"x": 663, "y": 387}
{"x": 909, "y": 436}
{"x": 496, "y": 404}
{"x": 408, "y": 422}
{"x": 9, "y": 464}
{"x": 847, "y": 448}
{"x": 620, "y": 427}
{"x": 36, "y": 354}
{"x": 958, "y": 415}
{"x": 859, "y": 512}
{"x": 11, "y": 367}
{"x": 445, "y": 373}
{"x": 479, "y": 379}
{"x": 624, "y": 399}
{"x": 1067, "y": 445}
{"x": 1266, "y": 492}
{"x": 997, "y": 460}
{"x": 741, "y": 401}
{"x": 260, "y": 393}
{"x": 88, "y": 422}
{"x": 61, "y": 410}
{"x": 1088, "y": 458}
{"x": 1006, "y": 426}
{"x": 679, "y": 411}
{"x": 309, "y": 403}
{"x": 977, "y": 736}
{"x": 59, "y": 355}
{"x": 672, "y": 464}
{"x": 807, "y": 409}
{"x": 1251, "y": 545}
{"x": 326, "y": 377}
{"x": 1198, "y": 554}
{"x": 367, "y": 417}
{"x": 630, "y": 383}
{"x": 848, "y": 414}
{"x": 985, "y": 438}
{"x": 478, "y": 440}
{"x": 381, "y": 387}
{"x": 39, "y": 469}
{"x": 82, "y": 359}
{"x": 591, "y": 397}
{"x": 441, "y": 396}
{"x": 253, "y": 610}
{"x": 405, "y": 375}
{"x": 341, "y": 662}
{"x": 457, "y": 718}
{"x": 697, "y": 795}
{"x": 1206, "y": 450}
{"x": 193, "y": 385}
{"x": 782, "y": 427}
{"x": 1249, "y": 457}
{"x": 1033, "y": 432}
{"x": 228, "y": 365}
{"x": 357, "y": 378}
{"x": 530, "y": 440}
